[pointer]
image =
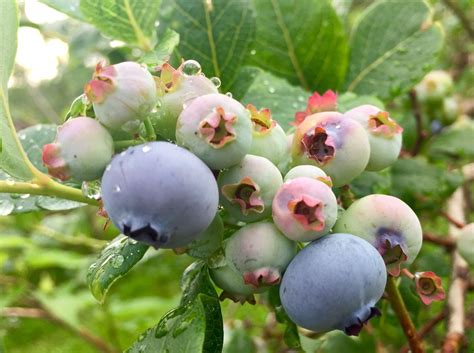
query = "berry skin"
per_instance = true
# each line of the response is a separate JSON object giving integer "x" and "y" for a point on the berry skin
{"x": 150, "y": 194}
{"x": 122, "y": 95}
{"x": 82, "y": 149}
{"x": 269, "y": 139}
{"x": 304, "y": 209}
{"x": 387, "y": 223}
{"x": 333, "y": 284}
{"x": 260, "y": 253}
{"x": 337, "y": 145}
{"x": 385, "y": 135}
{"x": 309, "y": 171}
{"x": 247, "y": 189}
{"x": 217, "y": 129}
{"x": 434, "y": 86}
{"x": 176, "y": 94}
{"x": 231, "y": 282}
{"x": 465, "y": 243}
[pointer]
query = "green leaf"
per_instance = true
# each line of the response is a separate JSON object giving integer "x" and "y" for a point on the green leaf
{"x": 349, "y": 100}
{"x": 302, "y": 41}
{"x": 218, "y": 34}
{"x": 209, "y": 242}
{"x": 113, "y": 263}
{"x": 195, "y": 326}
{"x": 454, "y": 142}
{"x": 163, "y": 50}
{"x": 132, "y": 21}
{"x": 283, "y": 99}
{"x": 68, "y": 7}
{"x": 393, "y": 45}
{"x": 11, "y": 157}
{"x": 33, "y": 139}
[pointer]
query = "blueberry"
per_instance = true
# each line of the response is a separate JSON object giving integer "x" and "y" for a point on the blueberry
{"x": 337, "y": 145}
{"x": 178, "y": 91}
{"x": 304, "y": 209}
{"x": 309, "y": 171}
{"x": 82, "y": 149}
{"x": 465, "y": 243}
{"x": 387, "y": 223}
{"x": 434, "y": 87}
{"x": 333, "y": 284}
{"x": 247, "y": 189}
{"x": 160, "y": 194}
{"x": 217, "y": 129}
{"x": 122, "y": 95}
{"x": 385, "y": 135}
{"x": 260, "y": 253}
{"x": 232, "y": 283}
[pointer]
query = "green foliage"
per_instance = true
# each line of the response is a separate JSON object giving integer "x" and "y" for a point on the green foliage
{"x": 303, "y": 41}
{"x": 162, "y": 51}
{"x": 393, "y": 46}
{"x": 113, "y": 263}
{"x": 69, "y": 7}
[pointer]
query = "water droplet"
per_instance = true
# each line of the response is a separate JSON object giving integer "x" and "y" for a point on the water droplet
{"x": 117, "y": 261}
{"x": 109, "y": 166}
{"x": 146, "y": 148}
{"x": 216, "y": 81}
{"x": 161, "y": 330}
{"x": 24, "y": 196}
{"x": 6, "y": 207}
{"x": 271, "y": 89}
{"x": 117, "y": 188}
{"x": 19, "y": 208}
{"x": 191, "y": 68}
{"x": 91, "y": 189}
{"x": 253, "y": 52}
{"x": 157, "y": 23}
{"x": 228, "y": 94}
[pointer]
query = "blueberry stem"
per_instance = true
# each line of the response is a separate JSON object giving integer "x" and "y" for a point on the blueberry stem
{"x": 398, "y": 305}
{"x": 150, "y": 130}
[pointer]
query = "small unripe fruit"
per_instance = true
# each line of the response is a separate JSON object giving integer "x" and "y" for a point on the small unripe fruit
{"x": 309, "y": 171}
{"x": 385, "y": 135}
{"x": 435, "y": 86}
{"x": 82, "y": 149}
{"x": 217, "y": 129}
{"x": 260, "y": 253}
{"x": 160, "y": 194}
{"x": 247, "y": 189}
{"x": 304, "y": 209}
{"x": 333, "y": 284}
{"x": 333, "y": 143}
{"x": 122, "y": 95}
{"x": 387, "y": 223}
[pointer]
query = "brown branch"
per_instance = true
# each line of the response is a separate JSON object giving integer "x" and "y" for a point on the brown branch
{"x": 420, "y": 134}
{"x": 446, "y": 242}
{"x": 37, "y": 313}
{"x": 460, "y": 14}
{"x": 398, "y": 305}
{"x": 426, "y": 329}
{"x": 453, "y": 220}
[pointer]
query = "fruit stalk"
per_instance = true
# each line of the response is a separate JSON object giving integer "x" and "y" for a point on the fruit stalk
{"x": 398, "y": 305}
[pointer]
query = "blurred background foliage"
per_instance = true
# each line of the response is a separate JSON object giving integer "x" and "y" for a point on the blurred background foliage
{"x": 44, "y": 256}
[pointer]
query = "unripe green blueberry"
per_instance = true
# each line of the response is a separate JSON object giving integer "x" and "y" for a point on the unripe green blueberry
{"x": 309, "y": 171}
{"x": 465, "y": 243}
{"x": 269, "y": 139}
{"x": 387, "y": 223}
{"x": 260, "y": 253}
{"x": 333, "y": 143}
{"x": 385, "y": 135}
{"x": 435, "y": 86}
{"x": 82, "y": 149}
{"x": 247, "y": 189}
{"x": 304, "y": 209}
{"x": 217, "y": 129}
{"x": 122, "y": 95}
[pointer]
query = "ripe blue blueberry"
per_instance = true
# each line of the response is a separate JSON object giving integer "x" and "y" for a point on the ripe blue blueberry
{"x": 247, "y": 189}
{"x": 260, "y": 253}
{"x": 387, "y": 223}
{"x": 160, "y": 193}
{"x": 333, "y": 284}
{"x": 122, "y": 95}
{"x": 217, "y": 129}
{"x": 82, "y": 149}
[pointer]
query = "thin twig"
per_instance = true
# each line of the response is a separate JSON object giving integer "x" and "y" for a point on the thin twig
{"x": 446, "y": 242}
{"x": 460, "y": 14}
{"x": 426, "y": 329}
{"x": 455, "y": 222}
{"x": 398, "y": 305}
{"x": 420, "y": 134}
{"x": 37, "y": 313}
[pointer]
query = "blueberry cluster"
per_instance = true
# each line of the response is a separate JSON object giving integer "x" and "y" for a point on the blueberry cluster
{"x": 218, "y": 159}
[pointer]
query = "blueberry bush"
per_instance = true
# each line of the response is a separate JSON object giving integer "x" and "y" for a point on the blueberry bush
{"x": 228, "y": 176}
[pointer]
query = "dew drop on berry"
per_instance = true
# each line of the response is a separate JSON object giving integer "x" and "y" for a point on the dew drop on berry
{"x": 191, "y": 68}
{"x": 216, "y": 81}
{"x": 146, "y": 148}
